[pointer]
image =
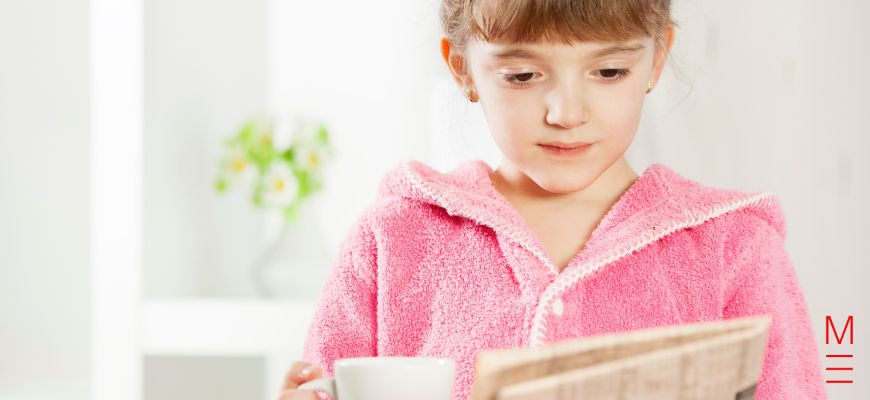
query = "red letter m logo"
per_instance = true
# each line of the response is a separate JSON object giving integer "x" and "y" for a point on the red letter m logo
{"x": 829, "y": 325}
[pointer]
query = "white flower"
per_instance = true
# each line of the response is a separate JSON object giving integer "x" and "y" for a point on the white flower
{"x": 280, "y": 186}
{"x": 310, "y": 155}
{"x": 236, "y": 168}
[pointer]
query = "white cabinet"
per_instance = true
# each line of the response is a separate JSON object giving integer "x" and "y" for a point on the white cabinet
{"x": 224, "y": 327}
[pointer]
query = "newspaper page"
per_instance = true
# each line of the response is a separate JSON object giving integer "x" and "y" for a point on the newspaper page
{"x": 706, "y": 360}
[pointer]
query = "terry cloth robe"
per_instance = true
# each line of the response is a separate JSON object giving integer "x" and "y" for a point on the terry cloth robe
{"x": 441, "y": 265}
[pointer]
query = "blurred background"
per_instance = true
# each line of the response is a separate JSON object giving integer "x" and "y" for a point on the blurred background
{"x": 125, "y": 274}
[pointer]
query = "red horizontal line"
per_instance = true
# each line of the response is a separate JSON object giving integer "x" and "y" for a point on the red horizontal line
{"x": 839, "y": 368}
{"x": 838, "y": 381}
{"x": 838, "y": 355}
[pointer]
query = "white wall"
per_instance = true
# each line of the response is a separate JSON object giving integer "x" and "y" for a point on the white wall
{"x": 828, "y": 184}
{"x": 769, "y": 104}
{"x": 368, "y": 69}
{"x": 205, "y": 73}
{"x": 44, "y": 194}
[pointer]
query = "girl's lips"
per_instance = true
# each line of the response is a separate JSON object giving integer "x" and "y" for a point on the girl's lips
{"x": 565, "y": 149}
{"x": 563, "y": 145}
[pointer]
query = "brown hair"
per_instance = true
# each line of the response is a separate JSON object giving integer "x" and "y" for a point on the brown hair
{"x": 566, "y": 21}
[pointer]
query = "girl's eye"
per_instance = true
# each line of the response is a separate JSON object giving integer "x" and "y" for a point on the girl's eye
{"x": 613, "y": 75}
{"x": 610, "y": 75}
{"x": 519, "y": 80}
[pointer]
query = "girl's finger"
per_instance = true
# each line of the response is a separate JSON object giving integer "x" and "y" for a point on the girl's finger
{"x": 298, "y": 395}
{"x": 299, "y": 373}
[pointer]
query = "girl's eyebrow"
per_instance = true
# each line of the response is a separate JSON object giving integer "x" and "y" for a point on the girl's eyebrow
{"x": 521, "y": 53}
{"x": 620, "y": 48}
{"x": 514, "y": 52}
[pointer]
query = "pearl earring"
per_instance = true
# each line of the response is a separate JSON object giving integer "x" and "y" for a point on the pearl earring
{"x": 471, "y": 96}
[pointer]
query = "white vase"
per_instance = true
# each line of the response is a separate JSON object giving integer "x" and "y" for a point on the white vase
{"x": 295, "y": 263}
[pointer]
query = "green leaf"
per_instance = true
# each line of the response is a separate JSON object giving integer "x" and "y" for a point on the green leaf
{"x": 257, "y": 196}
{"x": 323, "y": 134}
{"x": 304, "y": 182}
{"x": 291, "y": 213}
{"x": 246, "y": 133}
{"x": 287, "y": 155}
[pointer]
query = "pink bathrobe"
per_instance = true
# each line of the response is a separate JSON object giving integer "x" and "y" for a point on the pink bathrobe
{"x": 441, "y": 265}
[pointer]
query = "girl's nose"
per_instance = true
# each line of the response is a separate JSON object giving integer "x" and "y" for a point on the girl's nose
{"x": 566, "y": 109}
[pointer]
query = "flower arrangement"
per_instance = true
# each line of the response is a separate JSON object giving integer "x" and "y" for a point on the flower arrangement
{"x": 280, "y": 176}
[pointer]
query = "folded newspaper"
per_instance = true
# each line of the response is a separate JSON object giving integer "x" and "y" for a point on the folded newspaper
{"x": 706, "y": 360}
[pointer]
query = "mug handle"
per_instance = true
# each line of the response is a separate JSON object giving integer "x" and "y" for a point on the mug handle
{"x": 326, "y": 384}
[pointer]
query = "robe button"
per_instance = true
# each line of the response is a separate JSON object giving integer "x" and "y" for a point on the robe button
{"x": 558, "y": 307}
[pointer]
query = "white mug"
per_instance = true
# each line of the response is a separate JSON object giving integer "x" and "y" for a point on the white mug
{"x": 388, "y": 378}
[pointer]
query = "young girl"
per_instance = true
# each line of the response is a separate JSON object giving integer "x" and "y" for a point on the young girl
{"x": 563, "y": 239}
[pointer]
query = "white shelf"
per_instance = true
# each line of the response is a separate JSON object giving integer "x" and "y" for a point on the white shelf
{"x": 225, "y": 327}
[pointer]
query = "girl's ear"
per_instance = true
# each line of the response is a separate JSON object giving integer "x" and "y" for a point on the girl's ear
{"x": 445, "y": 49}
{"x": 663, "y": 51}
{"x": 455, "y": 62}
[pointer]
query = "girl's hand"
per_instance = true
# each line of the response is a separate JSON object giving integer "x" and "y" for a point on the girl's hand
{"x": 299, "y": 373}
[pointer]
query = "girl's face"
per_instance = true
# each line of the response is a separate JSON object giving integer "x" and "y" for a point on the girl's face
{"x": 533, "y": 94}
